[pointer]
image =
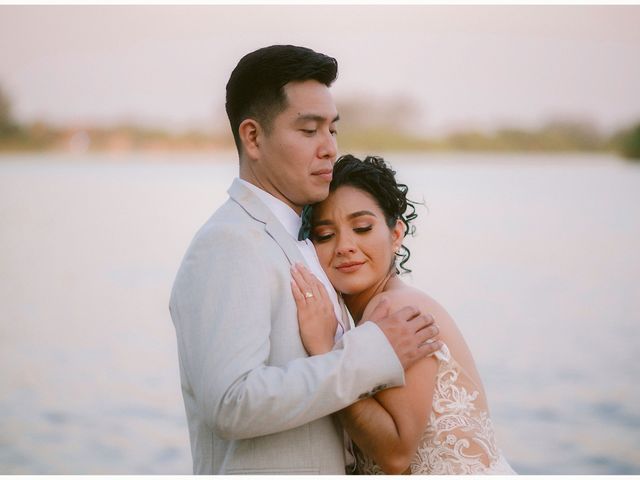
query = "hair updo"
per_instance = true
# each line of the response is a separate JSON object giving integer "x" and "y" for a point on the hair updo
{"x": 375, "y": 177}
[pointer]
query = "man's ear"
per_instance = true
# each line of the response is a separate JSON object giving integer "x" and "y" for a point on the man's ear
{"x": 250, "y": 132}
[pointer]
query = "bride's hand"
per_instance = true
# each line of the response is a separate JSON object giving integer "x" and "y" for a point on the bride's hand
{"x": 316, "y": 317}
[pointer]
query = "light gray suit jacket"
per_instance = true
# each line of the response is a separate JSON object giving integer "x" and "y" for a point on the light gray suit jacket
{"x": 255, "y": 401}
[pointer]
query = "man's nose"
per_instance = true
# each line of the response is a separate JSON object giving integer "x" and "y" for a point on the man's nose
{"x": 328, "y": 147}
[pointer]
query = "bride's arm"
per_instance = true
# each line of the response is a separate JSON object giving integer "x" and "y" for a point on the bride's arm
{"x": 389, "y": 426}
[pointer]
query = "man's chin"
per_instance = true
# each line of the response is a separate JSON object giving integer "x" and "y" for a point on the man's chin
{"x": 318, "y": 196}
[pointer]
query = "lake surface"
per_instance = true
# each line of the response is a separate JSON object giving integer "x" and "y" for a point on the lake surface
{"x": 536, "y": 257}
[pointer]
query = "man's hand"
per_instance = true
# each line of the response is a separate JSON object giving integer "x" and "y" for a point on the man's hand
{"x": 410, "y": 332}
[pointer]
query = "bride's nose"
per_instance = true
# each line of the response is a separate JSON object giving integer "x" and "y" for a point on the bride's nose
{"x": 345, "y": 245}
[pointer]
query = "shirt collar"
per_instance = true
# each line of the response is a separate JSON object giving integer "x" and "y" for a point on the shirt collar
{"x": 289, "y": 219}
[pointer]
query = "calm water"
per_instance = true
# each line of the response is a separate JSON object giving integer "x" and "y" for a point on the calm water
{"x": 537, "y": 258}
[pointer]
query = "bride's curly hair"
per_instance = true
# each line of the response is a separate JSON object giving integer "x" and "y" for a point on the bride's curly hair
{"x": 374, "y": 176}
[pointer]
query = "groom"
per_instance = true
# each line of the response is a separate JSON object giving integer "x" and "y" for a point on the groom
{"x": 255, "y": 402}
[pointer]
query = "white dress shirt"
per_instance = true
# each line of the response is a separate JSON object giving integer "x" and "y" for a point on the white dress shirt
{"x": 292, "y": 222}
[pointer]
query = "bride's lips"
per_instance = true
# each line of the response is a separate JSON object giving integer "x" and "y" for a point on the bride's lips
{"x": 325, "y": 174}
{"x": 349, "y": 267}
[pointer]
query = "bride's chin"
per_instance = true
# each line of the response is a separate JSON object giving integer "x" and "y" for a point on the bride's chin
{"x": 353, "y": 285}
{"x": 351, "y": 291}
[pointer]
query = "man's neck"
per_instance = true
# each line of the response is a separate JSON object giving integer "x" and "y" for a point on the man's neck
{"x": 247, "y": 175}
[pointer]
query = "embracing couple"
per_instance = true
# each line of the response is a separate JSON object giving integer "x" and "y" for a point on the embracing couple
{"x": 301, "y": 350}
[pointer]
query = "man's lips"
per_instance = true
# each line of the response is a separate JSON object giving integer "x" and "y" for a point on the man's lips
{"x": 326, "y": 174}
{"x": 349, "y": 267}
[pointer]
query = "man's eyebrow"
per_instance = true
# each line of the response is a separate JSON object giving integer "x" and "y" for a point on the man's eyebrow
{"x": 314, "y": 117}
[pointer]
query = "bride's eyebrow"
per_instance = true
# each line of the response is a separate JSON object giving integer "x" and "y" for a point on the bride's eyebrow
{"x": 320, "y": 223}
{"x": 360, "y": 213}
{"x": 351, "y": 216}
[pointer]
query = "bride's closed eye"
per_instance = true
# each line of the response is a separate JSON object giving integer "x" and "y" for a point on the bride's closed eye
{"x": 363, "y": 229}
{"x": 322, "y": 236}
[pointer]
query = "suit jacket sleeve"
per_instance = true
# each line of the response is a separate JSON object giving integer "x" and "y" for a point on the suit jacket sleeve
{"x": 221, "y": 305}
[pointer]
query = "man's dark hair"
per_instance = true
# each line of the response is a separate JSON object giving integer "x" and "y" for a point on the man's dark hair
{"x": 256, "y": 86}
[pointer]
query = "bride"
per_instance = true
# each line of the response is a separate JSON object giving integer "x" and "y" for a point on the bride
{"x": 439, "y": 422}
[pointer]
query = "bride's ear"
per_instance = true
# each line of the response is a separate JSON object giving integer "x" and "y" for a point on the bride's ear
{"x": 397, "y": 235}
{"x": 250, "y": 131}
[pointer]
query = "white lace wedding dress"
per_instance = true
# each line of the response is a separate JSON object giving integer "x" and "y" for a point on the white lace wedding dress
{"x": 459, "y": 438}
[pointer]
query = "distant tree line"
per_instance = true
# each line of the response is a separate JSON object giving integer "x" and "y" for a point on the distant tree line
{"x": 41, "y": 136}
{"x": 365, "y": 126}
{"x": 627, "y": 142}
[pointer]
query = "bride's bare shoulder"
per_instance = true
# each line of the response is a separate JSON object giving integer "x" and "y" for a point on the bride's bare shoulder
{"x": 408, "y": 295}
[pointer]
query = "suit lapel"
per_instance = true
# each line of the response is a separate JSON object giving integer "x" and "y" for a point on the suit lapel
{"x": 275, "y": 229}
{"x": 259, "y": 211}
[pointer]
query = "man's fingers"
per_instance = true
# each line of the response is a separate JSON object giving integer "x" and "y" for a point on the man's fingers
{"x": 412, "y": 334}
{"x": 428, "y": 348}
{"x": 422, "y": 321}
{"x": 407, "y": 314}
{"x": 425, "y": 338}
{"x": 427, "y": 334}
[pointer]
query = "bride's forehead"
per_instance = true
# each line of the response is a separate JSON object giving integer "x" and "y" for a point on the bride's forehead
{"x": 345, "y": 200}
{"x": 348, "y": 194}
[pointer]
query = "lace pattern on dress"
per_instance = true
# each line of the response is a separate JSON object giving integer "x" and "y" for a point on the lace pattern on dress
{"x": 459, "y": 438}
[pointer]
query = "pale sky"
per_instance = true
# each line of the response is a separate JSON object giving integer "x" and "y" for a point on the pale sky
{"x": 481, "y": 66}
